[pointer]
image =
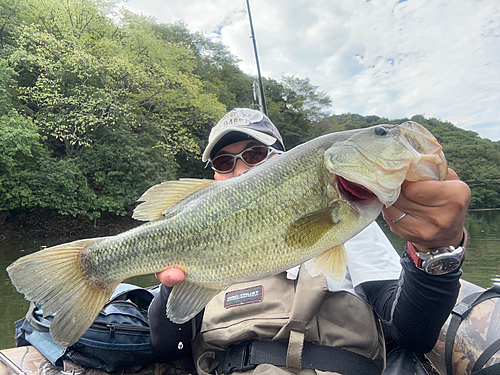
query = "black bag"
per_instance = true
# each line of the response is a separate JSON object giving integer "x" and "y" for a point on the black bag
{"x": 118, "y": 338}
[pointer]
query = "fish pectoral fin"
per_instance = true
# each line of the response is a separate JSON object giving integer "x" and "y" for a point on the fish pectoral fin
{"x": 332, "y": 263}
{"x": 188, "y": 299}
{"x": 159, "y": 198}
{"x": 309, "y": 229}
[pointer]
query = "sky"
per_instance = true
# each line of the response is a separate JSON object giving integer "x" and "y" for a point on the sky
{"x": 390, "y": 58}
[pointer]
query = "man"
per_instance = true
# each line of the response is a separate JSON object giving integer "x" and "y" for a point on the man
{"x": 313, "y": 323}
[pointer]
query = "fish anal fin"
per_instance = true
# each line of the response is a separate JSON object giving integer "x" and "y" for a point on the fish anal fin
{"x": 55, "y": 278}
{"x": 187, "y": 299}
{"x": 309, "y": 229}
{"x": 332, "y": 263}
{"x": 159, "y": 198}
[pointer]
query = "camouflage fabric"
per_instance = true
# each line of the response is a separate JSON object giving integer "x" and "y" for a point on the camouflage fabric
{"x": 475, "y": 334}
{"x": 28, "y": 360}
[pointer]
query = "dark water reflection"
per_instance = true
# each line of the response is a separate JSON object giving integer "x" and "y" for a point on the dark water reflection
{"x": 482, "y": 265}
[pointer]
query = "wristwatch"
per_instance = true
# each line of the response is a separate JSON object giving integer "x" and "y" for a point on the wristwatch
{"x": 439, "y": 261}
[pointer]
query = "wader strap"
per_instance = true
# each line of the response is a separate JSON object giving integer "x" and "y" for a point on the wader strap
{"x": 490, "y": 370}
{"x": 249, "y": 354}
{"x": 459, "y": 313}
{"x": 295, "y": 348}
{"x": 485, "y": 357}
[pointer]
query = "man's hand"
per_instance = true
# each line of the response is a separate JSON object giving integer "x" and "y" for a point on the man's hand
{"x": 435, "y": 212}
{"x": 170, "y": 276}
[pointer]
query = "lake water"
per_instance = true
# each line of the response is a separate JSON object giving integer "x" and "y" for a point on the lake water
{"x": 482, "y": 265}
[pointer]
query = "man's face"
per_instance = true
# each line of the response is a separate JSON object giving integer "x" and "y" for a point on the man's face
{"x": 240, "y": 167}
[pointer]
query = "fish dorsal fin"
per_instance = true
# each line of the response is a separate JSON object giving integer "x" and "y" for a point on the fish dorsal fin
{"x": 332, "y": 263}
{"x": 309, "y": 229}
{"x": 159, "y": 198}
{"x": 188, "y": 299}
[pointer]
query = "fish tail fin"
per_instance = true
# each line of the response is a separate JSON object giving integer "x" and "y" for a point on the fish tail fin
{"x": 55, "y": 278}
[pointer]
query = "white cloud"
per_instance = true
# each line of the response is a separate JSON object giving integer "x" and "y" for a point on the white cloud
{"x": 385, "y": 57}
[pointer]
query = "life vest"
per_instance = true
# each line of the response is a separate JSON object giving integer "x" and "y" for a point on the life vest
{"x": 277, "y": 326}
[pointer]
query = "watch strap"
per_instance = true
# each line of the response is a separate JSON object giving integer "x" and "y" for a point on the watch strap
{"x": 412, "y": 251}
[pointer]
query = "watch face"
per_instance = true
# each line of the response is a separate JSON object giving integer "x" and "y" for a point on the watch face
{"x": 442, "y": 265}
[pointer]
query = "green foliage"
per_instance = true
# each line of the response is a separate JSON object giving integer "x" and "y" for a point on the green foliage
{"x": 303, "y": 97}
{"x": 94, "y": 111}
{"x": 67, "y": 103}
{"x": 30, "y": 178}
{"x": 122, "y": 165}
{"x": 20, "y": 154}
{"x": 11, "y": 12}
{"x": 60, "y": 184}
{"x": 80, "y": 84}
{"x": 297, "y": 108}
{"x": 215, "y": 66}
{"x": 112, "y": 104}
{"x": 6, "y": 82}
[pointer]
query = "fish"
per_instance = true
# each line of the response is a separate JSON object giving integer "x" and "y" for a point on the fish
{"x": 298, "y": 207}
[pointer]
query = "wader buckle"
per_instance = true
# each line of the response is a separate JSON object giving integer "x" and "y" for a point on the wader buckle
{"x": 235, "y": 358}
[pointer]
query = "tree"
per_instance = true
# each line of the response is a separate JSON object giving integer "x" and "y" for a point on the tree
{"x": 113, "y": 106}
{"x": 132, "y": 78}
{"x": 93, "y": 110}
{"x": 21, "y": 153}
{"x": 215, "y": 65}
{"x": 301, "y": 96}
{"x": 6, "y": 87}
{"x": 10, "y": 11}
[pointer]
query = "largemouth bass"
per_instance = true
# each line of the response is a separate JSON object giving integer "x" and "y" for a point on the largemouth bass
{"x": 302, "y": 205}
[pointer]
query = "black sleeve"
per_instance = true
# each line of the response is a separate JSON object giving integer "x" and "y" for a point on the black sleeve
{"x": 414, "y": 308}
{"x": 170, "y": 341}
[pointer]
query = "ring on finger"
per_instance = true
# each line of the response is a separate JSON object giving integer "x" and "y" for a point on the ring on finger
{"x": 400, "y": 217}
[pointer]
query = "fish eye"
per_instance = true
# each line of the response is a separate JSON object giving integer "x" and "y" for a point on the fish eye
{"x": 379, "y": 130}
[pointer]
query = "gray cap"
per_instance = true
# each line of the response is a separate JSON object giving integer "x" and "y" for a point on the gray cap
{"x": 241, "y": 124}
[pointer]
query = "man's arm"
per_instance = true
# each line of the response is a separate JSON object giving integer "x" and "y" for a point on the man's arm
{"x": 170, "y": 341}
{"x": 415, "y": 307}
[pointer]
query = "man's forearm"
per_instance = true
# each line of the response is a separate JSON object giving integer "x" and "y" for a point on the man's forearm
{"x": 415, "y": 307}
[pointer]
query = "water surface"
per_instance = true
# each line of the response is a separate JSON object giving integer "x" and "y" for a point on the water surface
{"x": 481, "y": 266}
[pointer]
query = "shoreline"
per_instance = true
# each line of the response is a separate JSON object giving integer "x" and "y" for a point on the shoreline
{"x": 41, "y": 224}
{"x": 482, "y": 209}
{"x": 16, "y": 225}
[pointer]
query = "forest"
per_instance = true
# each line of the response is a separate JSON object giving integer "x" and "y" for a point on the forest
{"x": 97, "y": 104}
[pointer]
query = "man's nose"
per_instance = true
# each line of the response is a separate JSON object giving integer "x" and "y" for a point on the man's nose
{"x": 240, "y": 167}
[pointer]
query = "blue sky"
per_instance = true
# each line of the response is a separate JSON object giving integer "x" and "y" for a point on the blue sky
{"x": 391, "y": 58}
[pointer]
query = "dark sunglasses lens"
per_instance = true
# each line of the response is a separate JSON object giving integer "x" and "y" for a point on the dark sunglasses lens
{"x": 255, "y": 155}
{"x": 223, "y": 163}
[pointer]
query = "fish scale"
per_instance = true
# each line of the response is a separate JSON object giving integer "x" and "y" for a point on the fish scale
{"x": 277, "y": 215}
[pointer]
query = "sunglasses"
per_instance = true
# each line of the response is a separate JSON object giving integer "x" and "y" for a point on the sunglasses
{"x": 251, "y": 156}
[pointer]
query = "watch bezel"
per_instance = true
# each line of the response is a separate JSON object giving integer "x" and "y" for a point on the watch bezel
{"x": 442, "y": 260}
{"x": 449, "y": 253}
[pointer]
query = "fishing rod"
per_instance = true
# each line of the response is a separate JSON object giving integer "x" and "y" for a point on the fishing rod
{"x": 261, "y": 86}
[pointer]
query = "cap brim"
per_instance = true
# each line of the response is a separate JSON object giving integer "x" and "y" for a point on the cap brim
{"x": 261, "y": 137}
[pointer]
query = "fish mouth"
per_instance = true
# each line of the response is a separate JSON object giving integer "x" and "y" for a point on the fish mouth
{"x": 352, "y": 191}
